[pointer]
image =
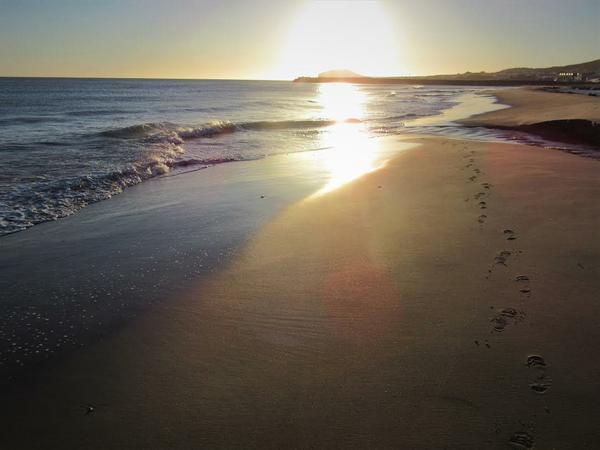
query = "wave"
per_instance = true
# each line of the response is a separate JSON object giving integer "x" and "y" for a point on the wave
{"x": 39, "y": 202}
{"x": 200, "y": 162}
{"x": 36, "y": 202}
{"x": 178, "y": 134}
{"x": 160, "y": 151}
{"x": 136, "y": 131}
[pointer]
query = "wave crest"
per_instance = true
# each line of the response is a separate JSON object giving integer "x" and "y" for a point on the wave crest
{"x": 177, "y": 134}
{"x": 162, "y": 151}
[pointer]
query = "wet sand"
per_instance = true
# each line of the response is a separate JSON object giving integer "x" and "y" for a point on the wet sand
{"x": 68, "y": 283}
{"x": 448, "y": 300}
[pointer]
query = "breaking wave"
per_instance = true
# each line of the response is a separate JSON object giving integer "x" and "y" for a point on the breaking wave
{"x": 32, "y": 203}
{"x": 163, "y": 151}
{"x": 177, "y": 134}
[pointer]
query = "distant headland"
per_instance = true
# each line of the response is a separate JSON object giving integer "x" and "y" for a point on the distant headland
{"x": 584, "y": 73}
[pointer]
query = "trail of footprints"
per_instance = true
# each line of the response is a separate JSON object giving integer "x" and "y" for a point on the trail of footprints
{"x": 541, "y": 382}
{"x": 481, "y": 196}
{"x": 503, "y": 318}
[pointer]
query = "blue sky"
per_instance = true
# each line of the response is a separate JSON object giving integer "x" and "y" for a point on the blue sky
{"x": 251, "y": 38}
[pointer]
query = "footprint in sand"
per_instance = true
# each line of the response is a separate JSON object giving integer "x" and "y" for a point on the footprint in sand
{"x": 506, "y": 317}
{"x": 510, "y": 235}
{"x": 502, "y": 257}
{"x": 477, "y": 171}
{"x": 542, "y": 381}
{"x": 473, "y": 178}
{"x": 479, "y": 195}
{"x": 482, "y": 205}
{"x": 525, "y": 290}
{"x": 481, "y": 218}
{"x": 541, "y": 384}
{"x": 535, "y": 361}
{"x": 521, "y": 439}
{"x": 487, "y": 185}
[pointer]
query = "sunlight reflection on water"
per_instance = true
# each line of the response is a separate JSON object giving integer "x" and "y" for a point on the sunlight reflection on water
{"x": 351, "y": 151}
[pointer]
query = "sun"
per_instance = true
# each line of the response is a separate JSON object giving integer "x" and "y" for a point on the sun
{"x": 340, "y": 34}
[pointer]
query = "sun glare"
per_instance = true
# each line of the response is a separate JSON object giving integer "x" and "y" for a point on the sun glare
{"x": 350, "y": 151}
{"x": 355, "y": 35}
{"x": 341, "y": 102}
{"x": 351, "y": 154}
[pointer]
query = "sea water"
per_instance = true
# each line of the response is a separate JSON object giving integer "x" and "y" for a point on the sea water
{"x": 66, "y": 143}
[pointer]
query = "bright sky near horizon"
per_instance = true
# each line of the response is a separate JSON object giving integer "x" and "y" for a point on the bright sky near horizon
{"x": 268, "y": 39}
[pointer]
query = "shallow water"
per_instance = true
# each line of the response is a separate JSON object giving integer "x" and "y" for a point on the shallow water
{"x": 66, "y": 143}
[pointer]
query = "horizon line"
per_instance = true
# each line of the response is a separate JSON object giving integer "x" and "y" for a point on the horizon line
{"x": 71, "y": 77}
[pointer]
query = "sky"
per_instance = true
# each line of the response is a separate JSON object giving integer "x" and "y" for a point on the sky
{"x": 282, "y": 39}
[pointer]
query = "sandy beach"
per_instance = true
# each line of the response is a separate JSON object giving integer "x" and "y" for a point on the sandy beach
{"x": 446, "y": 300}
{"x": 534, "y": 105}
{"x": 554, "y": 116}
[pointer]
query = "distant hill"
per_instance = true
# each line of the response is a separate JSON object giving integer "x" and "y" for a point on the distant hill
{"x": 525, "y": 73}
{"x": 587, "y": 67}
{"x": 340, "y": 73}
{"x": 515, "y": 76}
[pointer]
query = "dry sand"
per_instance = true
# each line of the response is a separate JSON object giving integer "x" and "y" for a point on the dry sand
{"x": 533, "y": 105}
{"x": 384, "y": 314}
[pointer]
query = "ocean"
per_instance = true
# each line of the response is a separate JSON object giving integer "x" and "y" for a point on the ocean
{"x": 67, "y": 143}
